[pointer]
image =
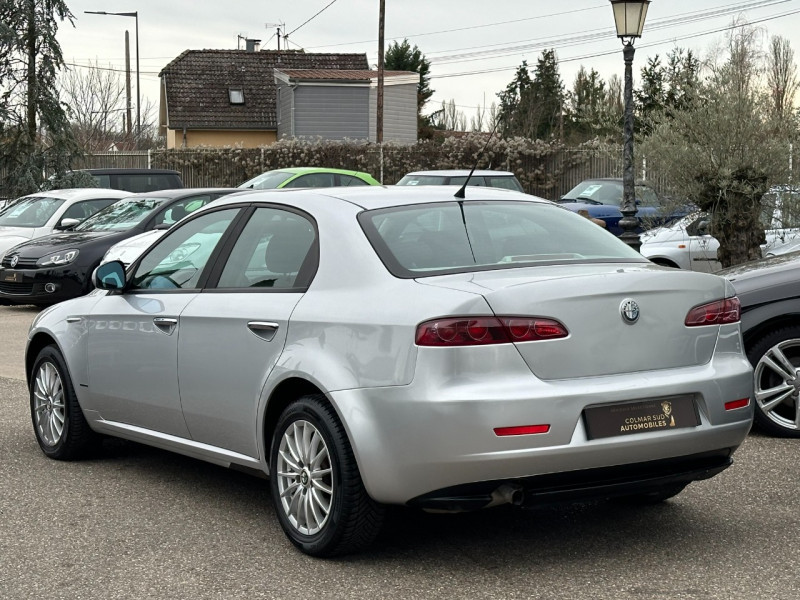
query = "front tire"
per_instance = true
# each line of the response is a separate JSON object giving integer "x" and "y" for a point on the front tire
{"x": 58, "y": 422}
{"x": 320, "y": 499}
{"x": 776, "y": 371}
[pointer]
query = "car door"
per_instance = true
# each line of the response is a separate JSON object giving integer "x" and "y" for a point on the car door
{"x": 702, "y": 246}
{"x": 133, "y": 336}
{"x": 232, "y": 335}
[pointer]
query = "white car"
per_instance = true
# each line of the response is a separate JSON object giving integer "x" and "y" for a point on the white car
{"x": 129, "y": 250}
{"x": 43, "y": 213}
{"x": 686, "y": 243}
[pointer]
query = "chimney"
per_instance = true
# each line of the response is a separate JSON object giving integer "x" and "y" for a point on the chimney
{"x": 252, "y": 45}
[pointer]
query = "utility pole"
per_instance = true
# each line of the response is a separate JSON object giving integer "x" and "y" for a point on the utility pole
{"x": 379, "y": 115}
{"x": 128, "y": 102}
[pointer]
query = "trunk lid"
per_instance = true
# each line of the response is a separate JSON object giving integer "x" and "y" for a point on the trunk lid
{"x": 588, "y": 300}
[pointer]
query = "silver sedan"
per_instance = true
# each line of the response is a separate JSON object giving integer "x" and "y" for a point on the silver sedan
{"x": 375, "y": 346}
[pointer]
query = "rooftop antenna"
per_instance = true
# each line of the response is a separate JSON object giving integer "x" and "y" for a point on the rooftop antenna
{"x": 461, "y": 193}
{"x": 278, "y": 31}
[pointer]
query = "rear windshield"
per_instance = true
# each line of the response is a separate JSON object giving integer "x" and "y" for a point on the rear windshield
{"x": 507, "y": 182}
{"x": 30, "y": 212}
{"x": 121, "y": 216}
{"x": 451, "y": 237}
{"x": 267, "y": 181}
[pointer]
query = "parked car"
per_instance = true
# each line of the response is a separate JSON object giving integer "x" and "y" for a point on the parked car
{"x": 769, "y": 292}
{"x": 496, "y": 179}
{"x": 137, "y": 180}
{"x": 59, "y": 266}
{"x": 687, "y": 243}
{"x": 601, "y": 198}
{"x": 43, "y": 213}
{"x": 397, "y": 345}
{"x": 308, "y": 177}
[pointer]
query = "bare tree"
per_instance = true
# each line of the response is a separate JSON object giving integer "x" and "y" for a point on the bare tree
{"x": 97, "y": 100}
{"x": 781, "y": 75}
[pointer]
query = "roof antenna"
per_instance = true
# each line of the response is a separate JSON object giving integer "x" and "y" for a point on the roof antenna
{"x": 461, "y": 193}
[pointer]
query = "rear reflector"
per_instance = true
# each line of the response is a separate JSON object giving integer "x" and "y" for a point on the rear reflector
{"x": 479, "y": 331}
{"x": 715, "y": 313}
{"x": 521, "y": 430}
{"x": 734, "y": 404}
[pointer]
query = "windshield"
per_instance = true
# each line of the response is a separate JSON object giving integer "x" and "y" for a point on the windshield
{"x": 507, "y": 182}
{"x": 267, "y": 181}
{"x": 610, "y": 193}
{"x": 30, "y": 212}
{"x": 450, "y": 237}
{"x": 122, "y": 215}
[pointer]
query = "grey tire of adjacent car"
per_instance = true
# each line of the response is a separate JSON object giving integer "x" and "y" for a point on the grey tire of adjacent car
{"x": 775, "y": 357}
{"x": 316, "y": 486}
{"x": 58, "y": 422}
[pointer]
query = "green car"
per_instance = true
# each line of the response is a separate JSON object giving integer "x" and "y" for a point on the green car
{"x": 308, "y": 177}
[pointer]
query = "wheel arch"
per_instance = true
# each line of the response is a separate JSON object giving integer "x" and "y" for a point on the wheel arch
{"x": 770, "y": 317}
{"x": 39, "y": 341}
{"x": 286, "y": 392}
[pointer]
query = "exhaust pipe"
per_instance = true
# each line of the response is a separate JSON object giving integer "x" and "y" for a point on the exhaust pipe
{"x": 508, "y": 493}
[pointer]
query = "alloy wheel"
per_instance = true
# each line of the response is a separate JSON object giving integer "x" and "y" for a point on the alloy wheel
{"x": 48, "y": 404}
{"x": 305, "y": 477}
{"x": 777, "y": 384}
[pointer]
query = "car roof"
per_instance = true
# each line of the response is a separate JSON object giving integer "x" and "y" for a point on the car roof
{"x": 80, "y": 194}
{"x": 182, "y": 192}
{"x": 461, "y": 173}
{"x": 305, "y": 170}
{"x": 126, "y": 171}
{"x": 373, "y": 197}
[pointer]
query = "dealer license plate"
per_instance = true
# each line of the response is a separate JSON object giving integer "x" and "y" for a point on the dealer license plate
{"x": 11, "y": 276}
{"x": 625, "y": 418}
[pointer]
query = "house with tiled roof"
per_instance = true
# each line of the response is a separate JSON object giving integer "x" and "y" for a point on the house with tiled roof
{"x": 251, "y": 98}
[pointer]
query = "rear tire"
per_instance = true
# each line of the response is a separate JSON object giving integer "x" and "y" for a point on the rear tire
{"x": 319, "y": 496}
{"x": 58, "y": 422}
{"x": 775, "y": 357}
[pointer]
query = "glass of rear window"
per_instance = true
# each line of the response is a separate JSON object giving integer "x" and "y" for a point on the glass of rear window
{"x": 452, "y": 237}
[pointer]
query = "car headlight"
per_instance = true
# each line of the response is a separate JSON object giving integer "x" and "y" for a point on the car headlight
{"x": 57, "y": 258}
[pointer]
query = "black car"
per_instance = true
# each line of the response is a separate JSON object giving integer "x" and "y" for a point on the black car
{"x": 769, "y": 292}
{"x": 137, "y": 181}
{"x": 59, "y": 266}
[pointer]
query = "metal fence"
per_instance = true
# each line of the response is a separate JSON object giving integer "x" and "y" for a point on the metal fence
{"x": 548, "y": 176}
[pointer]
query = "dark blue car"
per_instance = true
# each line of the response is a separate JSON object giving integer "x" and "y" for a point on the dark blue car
{"x": 600, "y": 198}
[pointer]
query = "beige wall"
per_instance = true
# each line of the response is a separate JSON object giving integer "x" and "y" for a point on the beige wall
{"x": 220, "y": 139}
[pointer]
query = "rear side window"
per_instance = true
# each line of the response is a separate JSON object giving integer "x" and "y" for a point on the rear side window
{"x": 349, "y": 181}
{"x": 433, "y": 239}
{"x": 312, "y": 180}
{"x": 274, "y": 252}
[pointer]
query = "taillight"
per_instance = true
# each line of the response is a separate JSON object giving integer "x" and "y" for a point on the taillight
{"x": 715, "y": 313}
{"x": 480, "y": 331}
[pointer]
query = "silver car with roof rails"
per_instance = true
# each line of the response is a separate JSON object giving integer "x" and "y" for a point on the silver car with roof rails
{"x": 387, "y": 345}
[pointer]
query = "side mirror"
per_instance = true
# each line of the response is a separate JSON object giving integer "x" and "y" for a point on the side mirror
{"x": 109, "y": 276}
{"x": 163, "y": 226}
{"x": 702, "y": 227}
{"x": 67, "y": 223}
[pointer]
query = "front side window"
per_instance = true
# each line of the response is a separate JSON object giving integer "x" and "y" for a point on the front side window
{"x": 85, "y": 209}
{"x": 274, "y": 251}
{"x": 454, "y": 237}
{"x": 122, "y": 215}
{"x": 177, "y": 261}
{"x": 30, "y": 212}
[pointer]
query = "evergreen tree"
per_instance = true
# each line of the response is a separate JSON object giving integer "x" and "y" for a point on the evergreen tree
{"x": 35, "y": 135}
{"x": 511, "y": 112}
{"x": 545, "y": 99}
{"x": 402, "y": 57}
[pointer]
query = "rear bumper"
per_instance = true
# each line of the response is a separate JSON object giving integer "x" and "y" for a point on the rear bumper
{"x": 438, "y": 432}
{"x": 581, "y": 485}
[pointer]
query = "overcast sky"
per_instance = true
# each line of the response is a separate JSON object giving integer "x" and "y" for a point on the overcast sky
{"x": 474, "y": 45}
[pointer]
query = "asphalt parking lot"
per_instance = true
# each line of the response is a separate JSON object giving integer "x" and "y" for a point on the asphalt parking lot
{"x": 135, "y": 522}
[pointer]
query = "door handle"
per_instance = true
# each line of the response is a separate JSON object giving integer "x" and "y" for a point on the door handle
{"x": 263, "y": 329}
{"x": 165, "y": 324}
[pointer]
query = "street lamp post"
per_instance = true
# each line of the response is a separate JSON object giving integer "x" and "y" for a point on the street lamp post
{"x": 135, "y": 15}
{"x": 629, "y": 18}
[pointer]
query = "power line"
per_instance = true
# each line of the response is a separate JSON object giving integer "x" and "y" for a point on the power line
{"x": 312, "y": 18}
{"x": 612, "y": 52}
